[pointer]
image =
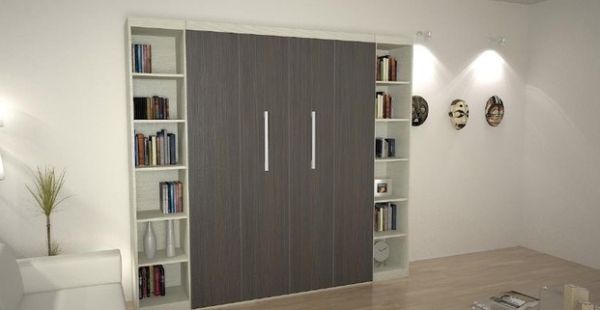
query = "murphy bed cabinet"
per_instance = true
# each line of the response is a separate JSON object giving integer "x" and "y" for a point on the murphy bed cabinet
{"x": 279, "y": 160}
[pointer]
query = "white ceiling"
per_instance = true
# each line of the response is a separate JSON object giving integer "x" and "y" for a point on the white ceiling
{"x": 522, "y": 1}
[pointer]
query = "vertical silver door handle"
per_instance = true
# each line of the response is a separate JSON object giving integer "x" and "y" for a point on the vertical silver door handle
{"x": 266, "y": 119}
{"x": 313, "y": 158}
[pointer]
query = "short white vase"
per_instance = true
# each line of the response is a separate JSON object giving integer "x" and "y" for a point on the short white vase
{"x": 149, "y": 242}
{"x": 170, "y": 239}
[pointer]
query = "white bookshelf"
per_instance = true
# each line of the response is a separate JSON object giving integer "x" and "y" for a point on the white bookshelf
{"x": 385, "y": 83}
{"x": 168, "y": 79}
{"x": 391, "y": 120}
{"x": 395, "y": 168}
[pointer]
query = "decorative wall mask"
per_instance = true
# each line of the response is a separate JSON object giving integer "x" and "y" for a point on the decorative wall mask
{"x": 420, "y": 110}
{"x": 459, "y": 114}
{"x": 494, "y": 111}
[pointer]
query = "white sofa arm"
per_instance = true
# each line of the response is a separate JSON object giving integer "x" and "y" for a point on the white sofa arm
{"x": 51, "y": 273}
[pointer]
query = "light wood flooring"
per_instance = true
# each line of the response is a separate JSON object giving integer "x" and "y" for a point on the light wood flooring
{"x": 447, "y": 283}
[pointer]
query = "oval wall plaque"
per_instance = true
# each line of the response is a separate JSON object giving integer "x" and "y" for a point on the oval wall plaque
{"x": 494, "y": 111}
{"x": 459, "y": 113}
{"x": 420, "y": 110}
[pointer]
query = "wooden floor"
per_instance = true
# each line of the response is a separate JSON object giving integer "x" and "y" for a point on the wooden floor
{"x": 447, "y": 283}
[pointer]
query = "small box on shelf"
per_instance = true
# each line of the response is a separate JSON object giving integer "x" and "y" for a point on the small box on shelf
{"x": 383, "y": 187}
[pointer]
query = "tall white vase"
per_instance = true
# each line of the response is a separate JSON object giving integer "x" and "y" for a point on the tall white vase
{"x": 170, "y": 239}
{"x": 149, "y": 242}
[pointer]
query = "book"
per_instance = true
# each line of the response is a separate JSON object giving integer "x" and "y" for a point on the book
{"x": 391, "y": 147}
{"x": 141, "y": 58}
{"x": 384, "y": 217}
{"x": 156, "y": 280}
{"x": 155, "y": 150}
{"x": 171, "y": 197}
{"x": 141, "y": 283}
{"x": 154, "y": 107}
{"x": 151, "y": 281}
{"x": 383, "y": 105}
{"x": 394, "y": 216}
{"x": 513, "y": 300}
{"x": 163, "y": 289}
{"x": 387, "y": 68}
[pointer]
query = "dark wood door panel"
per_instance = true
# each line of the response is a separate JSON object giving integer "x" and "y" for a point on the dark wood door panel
{"x": 265, "y": 228}
{"x": 214, "y": 163}
{"x": 353, "y": 164}
{"x": 311, "y": 190}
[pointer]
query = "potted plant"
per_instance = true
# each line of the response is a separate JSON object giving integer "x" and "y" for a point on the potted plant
{"x": 46, "y": 192}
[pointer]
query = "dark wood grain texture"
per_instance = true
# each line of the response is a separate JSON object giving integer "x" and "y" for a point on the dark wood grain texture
{"x": 265, "y": 228}
{"x": 353, "y": 165}
{"x": 214, "y": 163}
{"x": 311, "y": 191}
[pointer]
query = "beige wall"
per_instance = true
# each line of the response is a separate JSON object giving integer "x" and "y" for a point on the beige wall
{"x": 63, "y": 86}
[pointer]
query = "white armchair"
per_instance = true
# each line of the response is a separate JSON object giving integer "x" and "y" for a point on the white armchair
{"x": 90, "y": 281}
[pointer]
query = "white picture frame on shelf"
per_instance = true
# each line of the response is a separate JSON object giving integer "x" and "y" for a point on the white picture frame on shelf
{"x": 382, "y": 187}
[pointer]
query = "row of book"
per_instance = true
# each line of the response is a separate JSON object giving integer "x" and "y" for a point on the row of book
{"x": 171, "y": 197}
{"x": 385, "y": 147}
{"x": 154, "y": 107}
{"x": 151, "y": 281}
{"x": 383, "y": 105}
{"x": 141, "y": 58}
{"x": 385, "y": 217}
{"x": 155, "y": 150}
{"x": 387, "y": 68}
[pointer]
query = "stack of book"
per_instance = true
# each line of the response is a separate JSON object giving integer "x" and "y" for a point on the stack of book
{"x": 171, "y": 197}
{"x": 513, "y": 300}
{"x": 155, "y": 150}
{"x": 384, "y": 217}
{"x": 383, "y": 105}
{"x": 141, "y": 58}
{"x": 385, "y": 147}
{"x": 154, "y": 107}
{"x": 152, "y": 281}
{"x": 387, "y": 68}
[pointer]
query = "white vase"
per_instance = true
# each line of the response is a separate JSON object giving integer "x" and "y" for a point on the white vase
{"x": 170, "y": 239}
{"x": 149, "y": 242}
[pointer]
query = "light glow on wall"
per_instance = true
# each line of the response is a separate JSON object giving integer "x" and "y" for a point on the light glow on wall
{"x": 424, "y": 63}
{"x": 2, "y": 111}
{"x": 488, "y": 67}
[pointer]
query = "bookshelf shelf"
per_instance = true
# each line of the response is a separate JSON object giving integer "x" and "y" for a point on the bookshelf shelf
{"x": 163, "y": 43}
{"x": 157, "y": 215}
{"x": 390, "y": 83}
{"x": 391, "y": 160}
{"x": 394, "y": 100}
{"x": 389, "y": 272}
{"x": 136, "y": 75}
{"x": 161, "y": 258}
{"x": 160, "y": 168}
{"x": 159, "y": 121}
{"x": 174, "y": 295}
{"x": 391, "y": 120}
{"x": 390, "y": 199}
{"x": 388, "y": 235}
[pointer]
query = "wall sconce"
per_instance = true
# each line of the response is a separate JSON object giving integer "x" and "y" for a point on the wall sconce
{"x": 497, "y": 40}
{"x": 424, "y": 35}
